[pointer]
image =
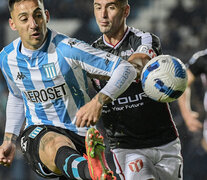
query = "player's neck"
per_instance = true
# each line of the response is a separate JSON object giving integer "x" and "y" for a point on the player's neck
{"x": 114, "y": 38}
{"x": 29, "y": 52}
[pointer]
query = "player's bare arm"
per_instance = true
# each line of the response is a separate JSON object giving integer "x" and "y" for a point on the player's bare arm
{"x": 89, "y": 114}
{"x": 9, "y": 137}
{"x": 190, "y": 117}
{"x": 103, "y": 99}
{"x": 7, "y": 149}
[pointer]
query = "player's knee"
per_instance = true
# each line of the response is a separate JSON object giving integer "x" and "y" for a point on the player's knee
{"x": 52, "y": 141}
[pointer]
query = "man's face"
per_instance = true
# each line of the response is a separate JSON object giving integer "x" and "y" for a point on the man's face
{"x": 110, "y": 15}
{"x": 29, "y": 18}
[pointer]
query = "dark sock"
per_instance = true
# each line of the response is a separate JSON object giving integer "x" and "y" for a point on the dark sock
{"x": 72, "y": 164}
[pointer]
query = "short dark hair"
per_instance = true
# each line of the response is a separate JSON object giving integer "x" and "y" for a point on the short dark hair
{"x": 12, "y": 2}
{"x": 123, "y": 2}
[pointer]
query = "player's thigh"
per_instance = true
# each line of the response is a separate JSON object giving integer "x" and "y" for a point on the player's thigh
{"x": 30, "y": 145}
{"x": 170, "y": 166}
{"x": 49, "y": 145}
{"x": 170, "y": 169}
{"x": 133, "y": 165}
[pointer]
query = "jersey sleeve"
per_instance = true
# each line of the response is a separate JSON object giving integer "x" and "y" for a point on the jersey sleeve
{"x": 15, "y": 108}
{"x": 8, "y": 75}
{"x": 90, "y": 59}
{"x": 98, "y": 62}
{"x": 198, "y": 63}
{"x": 122, "y": 77}
{"x": 150, "y": 45}
{"x": 14, "y": 114}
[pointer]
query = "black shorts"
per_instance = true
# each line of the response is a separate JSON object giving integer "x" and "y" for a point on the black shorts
{"x": 30, "y": 139}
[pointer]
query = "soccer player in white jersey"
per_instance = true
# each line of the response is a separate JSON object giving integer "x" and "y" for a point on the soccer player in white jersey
{"x": 140, "y": 131}
{"x": 46, "y": 76}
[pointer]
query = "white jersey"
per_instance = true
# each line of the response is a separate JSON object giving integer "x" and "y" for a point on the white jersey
{"x": 53, "y": 83}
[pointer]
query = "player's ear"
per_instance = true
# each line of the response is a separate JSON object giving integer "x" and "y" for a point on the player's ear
{"x": 47, "y": 15}
{"x": 12, "y": 24}
{"x": 127, "y": 11}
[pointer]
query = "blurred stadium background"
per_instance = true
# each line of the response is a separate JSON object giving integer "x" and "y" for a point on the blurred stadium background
{"x": 182, "y": 28}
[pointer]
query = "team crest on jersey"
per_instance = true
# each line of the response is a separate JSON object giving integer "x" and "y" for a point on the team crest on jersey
{"x": 50, "y": 70}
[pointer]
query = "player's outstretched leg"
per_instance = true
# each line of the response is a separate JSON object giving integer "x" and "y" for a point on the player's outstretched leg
{"x": 97, "y": 164}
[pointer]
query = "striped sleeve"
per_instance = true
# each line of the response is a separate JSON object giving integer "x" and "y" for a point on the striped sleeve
{"x": 7, "y": 72}
{"x": 92, "y": 60}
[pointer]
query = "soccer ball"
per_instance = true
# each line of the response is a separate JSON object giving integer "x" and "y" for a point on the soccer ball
{"x": 164, "y": 78}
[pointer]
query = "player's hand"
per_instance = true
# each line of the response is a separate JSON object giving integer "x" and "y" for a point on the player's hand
{"x": 89, "y": 114}
{"x": 139, "y": 60}
{"x": 192, "y": 122}
{"x": 7, "y": 153}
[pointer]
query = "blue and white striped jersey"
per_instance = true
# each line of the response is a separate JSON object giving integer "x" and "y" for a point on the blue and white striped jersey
{"x": 53, "y": 82}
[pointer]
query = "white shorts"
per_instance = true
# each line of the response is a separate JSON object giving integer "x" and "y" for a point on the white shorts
{"x": 158, "y": 163}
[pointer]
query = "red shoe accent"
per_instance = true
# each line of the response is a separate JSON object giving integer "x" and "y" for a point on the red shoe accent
{"x": 97, "y": 164}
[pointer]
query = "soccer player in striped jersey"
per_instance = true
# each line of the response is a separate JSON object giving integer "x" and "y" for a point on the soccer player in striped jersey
{"x": 140, "y": 131}
{"x": 46, "y": 76}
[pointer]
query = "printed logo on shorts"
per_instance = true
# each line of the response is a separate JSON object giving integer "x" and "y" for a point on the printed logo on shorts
{"x": 23, "y": 144}
{"x": 35, "y": 132}
{"x": 136, "y": 166}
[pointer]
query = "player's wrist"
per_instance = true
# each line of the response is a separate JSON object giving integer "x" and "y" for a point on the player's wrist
{"x": 10, "y": 138}
{"x": 103, "y": 99}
